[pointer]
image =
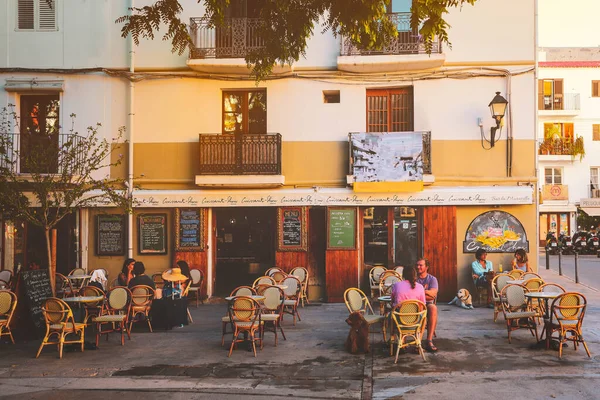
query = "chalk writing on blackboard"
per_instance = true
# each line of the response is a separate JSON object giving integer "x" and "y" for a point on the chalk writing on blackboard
{"x": 189, "y": 229}
{"x": 341, "y": 228}
{"x": 110, "y": 235}
{"x": 152, "y": 233}
{"x": 37, "y": 290}
{"x": 292, "y": 229}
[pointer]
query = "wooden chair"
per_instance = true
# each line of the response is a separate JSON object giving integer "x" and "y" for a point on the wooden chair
{"x": 195, "y": 286}
{"x": 158, "y": 280}
{"x": 8, "y": 303}
{"x": 516, "y": 309}
{"x": 278, "y": 276}
{"x": 410, "y": 319}
{"x": 60, "y": 323}
{"x": 272, "y": 311}
{"x": 399, "y": 269}
{"x": 226, "y": 320}
{"x": 116, "y": 314}
{"x": 498, "y": 284}
{"x": 566, "y": 317}
{"x": 302, "y": 274}
{"x": 244, "y": 314}
{"x": 386, "y": 281}
{"x": 374, "y": 278}
{"x": 356, "y": 300}
{"x": 4, "y": 285}
{"x": 141, "y": 301}
{"x": 63, "y": 286}
{"x": 292, "y": 297}
{"x": 263, "y": 280}
{"x": 92, "y": 309}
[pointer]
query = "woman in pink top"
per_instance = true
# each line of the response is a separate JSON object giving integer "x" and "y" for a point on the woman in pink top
{"x": 408, "y": 289}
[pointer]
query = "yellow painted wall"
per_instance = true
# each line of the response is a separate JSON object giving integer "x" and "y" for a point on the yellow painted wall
{"x": 465, "y": 215}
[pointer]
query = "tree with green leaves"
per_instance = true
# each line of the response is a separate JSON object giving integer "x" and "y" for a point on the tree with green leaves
{"x": 288, "y": 24}
{"x": 46, "y": 175}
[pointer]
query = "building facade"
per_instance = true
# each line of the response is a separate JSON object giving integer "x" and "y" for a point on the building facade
{"x": 342, "y": 161}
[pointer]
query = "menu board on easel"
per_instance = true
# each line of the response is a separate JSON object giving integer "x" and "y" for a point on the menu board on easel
{"x": 37, "y": 290}
{"x": 341, "y": 229}
{"x": 152, "y": 234}
{"x": 110, "y": 235}
{"x": 189, "y": 229}
{"x": 291, "y": 230}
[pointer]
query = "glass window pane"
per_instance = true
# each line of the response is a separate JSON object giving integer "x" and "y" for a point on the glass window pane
{"x": 405, "y": 236}
{"x": 257, "y": 112}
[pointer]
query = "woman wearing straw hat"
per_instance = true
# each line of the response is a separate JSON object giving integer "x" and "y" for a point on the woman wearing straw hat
{"x": 174, "y": 279}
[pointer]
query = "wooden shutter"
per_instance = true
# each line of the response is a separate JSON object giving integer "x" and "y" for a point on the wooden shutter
{"x": 541, "y": 94}
{"x": 25, "y": 12}
{"x": 568, "y": 132}
{"x": 595, "y": 88}
{"x": 47, "y": 18}
{"x": 596, "y": 132}
{"x": 390, "y": 110}
{"x": 558, "y": 87}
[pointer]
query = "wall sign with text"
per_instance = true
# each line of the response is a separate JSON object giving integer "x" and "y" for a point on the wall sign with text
{"x": 189, "y": 229}
{"x": 291, "y": 229}
{"x": 152, "y": 234}
{"x": 111, "y": 234}
{"x": 495, "y": 232}
{"x": 341, "y": 228}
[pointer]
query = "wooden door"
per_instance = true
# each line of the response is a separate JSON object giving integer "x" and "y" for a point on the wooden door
{"x": 439, "y": 247}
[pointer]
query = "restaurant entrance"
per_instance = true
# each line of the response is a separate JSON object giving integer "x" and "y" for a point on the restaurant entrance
{"x": 245, "y": 246}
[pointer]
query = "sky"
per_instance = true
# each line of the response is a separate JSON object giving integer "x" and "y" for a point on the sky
{"x": 568, "y": 23}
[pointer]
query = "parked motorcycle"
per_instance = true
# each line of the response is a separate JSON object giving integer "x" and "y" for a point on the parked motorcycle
{"x": 593, "y": 243}
{"x": 580, "y": 242}
{"x": 551, "y": 243}
{"x": 565, "y": 244}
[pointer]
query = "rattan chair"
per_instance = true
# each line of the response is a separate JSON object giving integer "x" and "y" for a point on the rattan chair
{"x": 92, "y": 309}
{"x": 77, "y": 284}
{"x": 278, "y": 276}
{"x": 272, "y": 270}
{"x": 195, "y": 286}
{"x": 302, "y": 274}
{"x": 141, "y": 302}
{"x": 263, "y": 280}
{"x": 63, "y": 286}
{"x": 60, "y": 323}
{"x": 158, "y": 280}
{"x": 114, "y": 283}
{"x": 516, "y": 310}
{"x": 516, "y": 274}
{"x": 6, "y": 276}
{"x": 292, "y": 297}
{"x": 8, "y": 303}
{"x": 272, "y": 311}
{"x": 388, "y": 278}
{"x": 4, "y": 285}
{"x": 374, "y": 277}
{"x": 409, "y": 318}
{"x": 116, "y": 314}
{"x": 244, "y": 314}
{"x": 226, "y": 320}
{"x": 533, "y": 284}
{"x": 498, "y": 284}
{"x": 529, "y": 275}
{"x": 566, "y": 317}
{"x": 356, "y": 300}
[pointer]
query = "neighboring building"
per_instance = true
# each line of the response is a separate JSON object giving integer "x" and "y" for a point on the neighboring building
{"x": 568, "y": 102}
{"x": 235, "y": 177}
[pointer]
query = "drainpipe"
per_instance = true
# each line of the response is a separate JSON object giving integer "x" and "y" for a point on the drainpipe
{"x": 130, "y": 123}
{"x": 535, "y": 133}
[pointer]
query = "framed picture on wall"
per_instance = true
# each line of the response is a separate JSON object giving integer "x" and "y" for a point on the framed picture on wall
{"x": 341, "y": 229}
{"x": 189, "y": 229}
{"x": 291, "y": 229}
{"x": 152, "y": 234}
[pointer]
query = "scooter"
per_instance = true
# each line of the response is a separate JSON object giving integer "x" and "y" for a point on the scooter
{"x": 565, "y": 243}
{"x": 593, "y": 243}
{"x": 551, "y": 243}
{"x": 580, "y": 242}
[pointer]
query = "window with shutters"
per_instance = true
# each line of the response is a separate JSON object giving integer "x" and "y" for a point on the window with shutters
{"x": 39, "y": 131}
{"x": 550, "y": 94}
{"x": 390, "y": 110}
{"x": 36, "y": 15}
{"x": 596, "y": 132}
{"x": 595, "y": 88}
{"x": 594, "y": 182}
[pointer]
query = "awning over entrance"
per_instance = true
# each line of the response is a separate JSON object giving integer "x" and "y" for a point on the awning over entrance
{"x": 592, "y": 211}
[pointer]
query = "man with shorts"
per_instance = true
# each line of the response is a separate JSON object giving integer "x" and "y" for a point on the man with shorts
{"x": 430, "y": 284}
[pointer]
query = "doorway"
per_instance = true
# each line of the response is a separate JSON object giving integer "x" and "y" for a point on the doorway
{"x": 317, "y": 226}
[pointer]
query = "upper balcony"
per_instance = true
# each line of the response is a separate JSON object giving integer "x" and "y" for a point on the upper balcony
{"x": 223, "y": 49}
{"x": 566, "y": 104}
{"x": 240, "y": 160}
{"x": 404, "y": 53}
{"x": 561, "y": 149}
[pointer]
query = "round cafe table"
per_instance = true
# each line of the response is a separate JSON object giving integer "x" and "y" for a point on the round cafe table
{"x": 75, "y": 277}
{"x": 545, "y": 296}
{"x": 516, "y": 282}
{"x": 254, "y": 297}
{"x": 79, "y": 300}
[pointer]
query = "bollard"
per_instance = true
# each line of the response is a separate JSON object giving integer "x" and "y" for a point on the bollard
{"x": 576, "y": 269}
{"x": 560, "y": 263}
{"x": 547, "y": 259}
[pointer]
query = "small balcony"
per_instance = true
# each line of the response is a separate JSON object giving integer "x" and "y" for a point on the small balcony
{"x": 559, "y": 105}
{"x": 223, "y": 49}
{"x": 403, "y": 53}
{"x": 243, "y": 160}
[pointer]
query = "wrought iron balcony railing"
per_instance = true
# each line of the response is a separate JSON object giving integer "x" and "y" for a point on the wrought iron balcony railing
{"x": 234, "y": 39}
{"x": 566, "y": 101}
{"x": 407, "y": 41}
{"x": 243, "y": 154}
{"x": 24, "y": 153}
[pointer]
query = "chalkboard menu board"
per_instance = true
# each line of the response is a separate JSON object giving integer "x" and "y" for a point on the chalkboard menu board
{"x": 341, "y": 228}
{"x": 110, "y": 235}
{"x": 37, "y": 289}
{"x": 152, "y": 233}
{"x": 189, "y": 229}
{"x": 292, "y": 229}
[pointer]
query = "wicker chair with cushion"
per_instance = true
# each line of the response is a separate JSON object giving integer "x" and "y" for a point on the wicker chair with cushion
{"x": 8, "y": 303}
{"x": 409, "y": 318}
{"x": 566, "y": 317}
{"x": 272, "y": 311}
{"x": 356, "y": 300}
{"x": 244, "y": 314}
{"x": 516, "y": 274}
{"x": 64, "y": 287}
{"x": 226, "y": 320}
{"x": 141, "y": 301}
{"x": 529, "y": 275}
{"x": 60, "y": 323}
{"x": 78, "y": 283}
{"x": 516, "y": 310}
{"x": 263, "y": 280}
{"x": 92, "y": 309}
{"x": 114, "y": 283}
{"x": 292, "y": 297}
{"x": 279, "y": 276}
{"x": 116, "y": 314}
{"x": 302, "y": 274}
{"x": 195, "y": 285}
{"x": 387, "y": 281}
{"x": 533, "y": 284}
{"x": 6, "y": 276}
{"x": 374, "y": 277}
{"x": 272, "y": 270}
{"x": 498, "y": 284}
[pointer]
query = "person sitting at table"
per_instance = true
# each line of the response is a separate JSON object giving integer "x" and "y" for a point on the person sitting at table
{"x": 98, "y": 279}
{"x": 140, "y": 277}
{"x": 521, "y": 261}
{"x": 407, "y": 289}
{"x": 185, "y": 270}
{"x": 173, "y": 279}
{"x": 126, "y": 272}
{"x": 483, "y": 273}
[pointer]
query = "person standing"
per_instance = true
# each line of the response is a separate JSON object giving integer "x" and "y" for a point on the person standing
{"x": 430, "y": 284}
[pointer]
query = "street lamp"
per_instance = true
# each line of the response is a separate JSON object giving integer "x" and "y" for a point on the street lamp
{"x": 498, "y": 109}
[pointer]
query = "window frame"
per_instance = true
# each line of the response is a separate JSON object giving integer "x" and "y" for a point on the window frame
{"x": 556, "y": 97}
{"x": 595, "y": 132}
{"x": 388, "y": 93}
{"x": 36, "y": 17}
{"x": 245, "y": 110}
{"x": 595, "y": 88}
{"x": 570, "y": 137}
{"x": 553, "y": 175}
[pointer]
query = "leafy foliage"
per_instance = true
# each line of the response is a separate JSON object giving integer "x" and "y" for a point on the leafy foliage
{"x": 288, "y": 24}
